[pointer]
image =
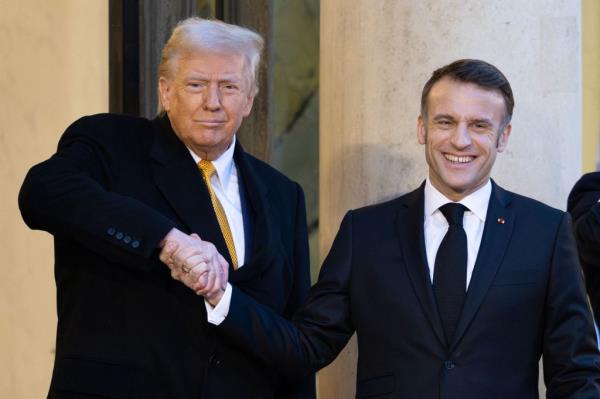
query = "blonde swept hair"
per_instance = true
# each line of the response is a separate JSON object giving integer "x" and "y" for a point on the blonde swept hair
{"x": 195, "y": 34}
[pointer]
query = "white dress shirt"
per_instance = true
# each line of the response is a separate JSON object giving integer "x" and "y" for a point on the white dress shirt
{"x": 227, "y": 189}
{"x": 435, "y": 224}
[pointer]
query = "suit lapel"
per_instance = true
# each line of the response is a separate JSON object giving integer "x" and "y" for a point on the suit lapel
{"x": 498, "y": 229}
{"x": 263, "y": 241}
{"x": 179, "y": 180}
{"x": 410, "y": 227}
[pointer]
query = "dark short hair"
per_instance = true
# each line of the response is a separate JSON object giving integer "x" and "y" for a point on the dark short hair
{"x": 478, "y": 72}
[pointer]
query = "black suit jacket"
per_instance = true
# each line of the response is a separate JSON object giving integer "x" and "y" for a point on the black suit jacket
{"x": 585, "y": 209}
{"x": 525, "y": 299}
{"x": 126, "y": 329}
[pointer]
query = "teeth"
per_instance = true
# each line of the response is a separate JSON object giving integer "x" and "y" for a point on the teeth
{"x": 454, "y": 158}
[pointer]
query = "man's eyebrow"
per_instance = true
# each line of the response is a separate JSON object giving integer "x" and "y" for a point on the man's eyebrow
{"x": 222, "y": 78}
{"x": 442, "y": 116}
{"x": 482, "y": 120}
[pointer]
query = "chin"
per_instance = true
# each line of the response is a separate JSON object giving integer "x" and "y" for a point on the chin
{"x": 206, "y": 140}
{"x": 459, "y": 187}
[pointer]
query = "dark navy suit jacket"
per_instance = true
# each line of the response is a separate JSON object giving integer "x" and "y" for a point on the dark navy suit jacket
{"x": 585, "y": 209}
{"x": 126, "y": 329}
{"x": 526, "y": 298}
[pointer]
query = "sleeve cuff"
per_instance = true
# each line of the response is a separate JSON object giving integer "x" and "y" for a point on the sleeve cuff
{"x": 217, "y": 314}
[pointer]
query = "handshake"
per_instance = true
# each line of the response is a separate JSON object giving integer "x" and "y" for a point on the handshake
{"x": 196, "y": 263}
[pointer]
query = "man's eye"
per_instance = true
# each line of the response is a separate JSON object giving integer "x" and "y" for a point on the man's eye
{"x": 195, "y": 85}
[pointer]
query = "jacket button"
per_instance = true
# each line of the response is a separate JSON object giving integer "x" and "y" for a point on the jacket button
{"x": 111, "y": 231}
{"x": 449, "y": 365}
{"x": 119, "y": 235}
{"x": 214, "y": 360}
{"x": 135, "y": 243}
{"x": 127, "y": 239}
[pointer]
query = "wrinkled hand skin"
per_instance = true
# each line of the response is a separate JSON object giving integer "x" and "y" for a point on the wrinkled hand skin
{"x": 208, "y": 270}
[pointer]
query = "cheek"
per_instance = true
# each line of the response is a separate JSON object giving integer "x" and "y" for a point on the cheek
{"x": 487, "y": 144}
{"x": 433, "y": 143}
{"x": 431, "y": 155}
{"x": 236, "y": 112}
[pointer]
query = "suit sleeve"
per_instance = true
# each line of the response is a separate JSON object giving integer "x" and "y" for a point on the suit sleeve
{"x": 293, "y": 388}
{"x": 585, "y": 209}
{"x": 319, "y": 330}
{"x": 69, "y": 196}
{"x": 570, "y": 353}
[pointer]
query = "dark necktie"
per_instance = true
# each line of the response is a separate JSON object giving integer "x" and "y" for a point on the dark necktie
{"x": 450, "y": 272}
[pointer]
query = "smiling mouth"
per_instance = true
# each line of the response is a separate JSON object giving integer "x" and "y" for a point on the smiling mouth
{"x": 458, "y": 159}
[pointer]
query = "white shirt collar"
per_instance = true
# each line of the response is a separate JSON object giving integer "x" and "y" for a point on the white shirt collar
{"x": 477, "y": 202}
{"x": 223, "y": 164}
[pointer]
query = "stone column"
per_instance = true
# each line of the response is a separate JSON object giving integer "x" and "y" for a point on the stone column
{"x": 54, "y": 70}
{"x": 375, "y": 58}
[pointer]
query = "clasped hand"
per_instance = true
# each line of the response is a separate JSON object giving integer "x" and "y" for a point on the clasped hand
{"x": 196, "y": 263}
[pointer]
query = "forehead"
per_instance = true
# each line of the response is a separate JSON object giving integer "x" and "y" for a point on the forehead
{"x": 210, "y": 63}
{"x": 449, "y": 96}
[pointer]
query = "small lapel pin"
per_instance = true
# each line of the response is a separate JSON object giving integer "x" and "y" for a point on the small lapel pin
{"x": 501, "y": 221}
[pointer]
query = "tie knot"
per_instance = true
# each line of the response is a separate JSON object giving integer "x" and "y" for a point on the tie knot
{"x": 207, "y": 167}
{"x": 453, "y": 212}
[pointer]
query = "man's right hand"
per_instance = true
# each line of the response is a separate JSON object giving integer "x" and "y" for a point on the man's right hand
{"x": 196, "y": 263}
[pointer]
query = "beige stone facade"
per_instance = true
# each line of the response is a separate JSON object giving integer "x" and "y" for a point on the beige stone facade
{"x": 374, "y": 58}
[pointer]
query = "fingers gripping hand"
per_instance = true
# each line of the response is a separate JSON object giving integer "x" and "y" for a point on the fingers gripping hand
{"x": 216, "y": 281}
{"x": 194, "y": 247}
{"x": 197, "y": 264}
{"x": 166, "y": 256}
{"x": 198, "y": 274}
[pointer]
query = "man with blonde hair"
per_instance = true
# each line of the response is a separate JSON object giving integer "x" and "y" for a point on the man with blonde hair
{"x": 119, "y": 187}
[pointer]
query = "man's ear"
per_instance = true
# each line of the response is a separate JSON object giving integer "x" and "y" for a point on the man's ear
{"x": 164, "y": 89}
{"x": 249, "y": 104}
{"x": 503, "y": 138}
{"x": 421, "y": 130}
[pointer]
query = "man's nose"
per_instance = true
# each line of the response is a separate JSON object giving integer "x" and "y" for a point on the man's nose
{"x": 212, "y": 98}
{"x": 461, "y": 137}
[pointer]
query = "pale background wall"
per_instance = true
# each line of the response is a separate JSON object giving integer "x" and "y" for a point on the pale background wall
{"x": 375, "y": 58}
{"x": 591, "y": 83}
{"x": 53, "y": 68}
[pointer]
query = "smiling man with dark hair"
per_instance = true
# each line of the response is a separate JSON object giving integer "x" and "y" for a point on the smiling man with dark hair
{"x": 455, "y": 290}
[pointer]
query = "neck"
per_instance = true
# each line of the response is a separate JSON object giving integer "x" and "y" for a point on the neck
{"x": 211, "y": 153}
{"x": 453, "y": 194}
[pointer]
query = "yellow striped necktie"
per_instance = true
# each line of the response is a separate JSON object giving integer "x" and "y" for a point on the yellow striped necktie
{"x": 208, "y": 169}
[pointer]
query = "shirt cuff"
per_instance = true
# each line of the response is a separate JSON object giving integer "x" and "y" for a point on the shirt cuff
{"x": 218, "y": 313}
